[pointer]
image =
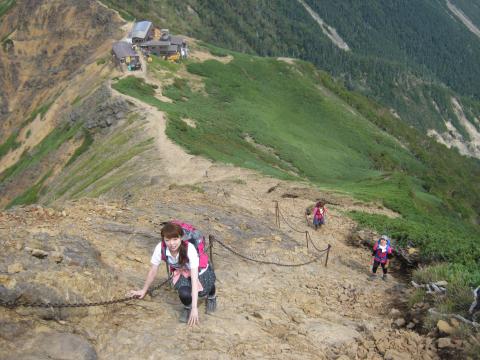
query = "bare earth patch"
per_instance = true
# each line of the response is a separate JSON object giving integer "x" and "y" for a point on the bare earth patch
{"x": 201, "y": 56}
{"x": 190, "y": 122}
{"x": 288, "y": 60}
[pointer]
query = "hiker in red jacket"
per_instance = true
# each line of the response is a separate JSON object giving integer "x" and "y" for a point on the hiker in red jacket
{"x": 319, "y": 214}
{"x": 182, "y": 248}
{"x": 381, "y": 254}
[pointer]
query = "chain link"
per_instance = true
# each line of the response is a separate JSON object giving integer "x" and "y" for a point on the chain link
{"x": 271, "y": 262}
{"x": 38, "y": 304}
{"x": 313, "y": 244}
{"x": 307, "y": 233}
{"x": 286, "y": 222}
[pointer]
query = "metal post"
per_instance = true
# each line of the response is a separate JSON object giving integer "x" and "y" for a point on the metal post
{"x": 328, "y": 253}
{"x": 211, "y": 239}
{"x": 277, "y": 214}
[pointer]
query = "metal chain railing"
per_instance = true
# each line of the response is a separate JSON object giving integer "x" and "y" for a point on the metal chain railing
{"x": 209, "y": 248}
{"x": 308, "y": 237}
{"x": 46, "y": 305}
{"x": 279, "y": 214}
{"x": 235, "y": 252}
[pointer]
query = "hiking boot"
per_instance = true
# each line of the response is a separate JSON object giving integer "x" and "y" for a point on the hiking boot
{"x": 211, "y": 304}
{"x": 372, "y": 277}
{"x": 185, "y": 314}
{"x": 384, "y": 277}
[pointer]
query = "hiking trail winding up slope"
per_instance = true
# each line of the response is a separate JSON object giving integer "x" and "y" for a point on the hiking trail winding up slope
{"x": 99, "y": 249}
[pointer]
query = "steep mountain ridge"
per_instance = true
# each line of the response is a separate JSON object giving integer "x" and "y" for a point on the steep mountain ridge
{"x": 55, "y": 56}
{"x": 97, "y": 250}
{"x": 404, "y": 55}
{"x": 113, "y": 147}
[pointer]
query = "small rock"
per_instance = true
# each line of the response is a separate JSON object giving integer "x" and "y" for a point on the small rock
{"x": 64, "y": 213}
{"x": 444, "y": 342}
{"x": 257, "y": 315}
{"x": 458, "y": 344}
{"x": 395, "y": 355}
{"x": 444, "y": 327}
{"x": 412, "y": 251}
{"x": 441, "y": 283}
{"x": 455, "y": 323}
{"x": 410, "y": 325}
{"x": 400, "y": 322}
{"x": 56, "y": 256}
{"x": 154, "y": 180}
{"x": 378, "y": 336}
{"x": 15, "y": 268}
{"x": 39, "y": 253}
{"x": 395, "y": 313}
{"x": 382, "y": 346}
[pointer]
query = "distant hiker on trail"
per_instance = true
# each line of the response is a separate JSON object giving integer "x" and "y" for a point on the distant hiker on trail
{"x": 319, "y": 213}
{"x": 182, "y": 247}
{"x": 381, "y": 255}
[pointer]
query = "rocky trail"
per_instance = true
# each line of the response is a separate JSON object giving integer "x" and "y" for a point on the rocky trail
{"x": 98, "y": 249}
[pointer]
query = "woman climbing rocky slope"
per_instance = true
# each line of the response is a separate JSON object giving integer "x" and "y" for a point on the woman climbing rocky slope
{"x": 90, "y": 250}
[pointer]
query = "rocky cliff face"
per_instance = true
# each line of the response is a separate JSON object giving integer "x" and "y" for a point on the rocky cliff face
{"x": 48, "y": 43}
{"x": 54, "y": 55}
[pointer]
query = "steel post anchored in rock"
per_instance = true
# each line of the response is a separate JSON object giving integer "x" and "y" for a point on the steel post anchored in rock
{"x": 211, "y": 239}
{"x": 328, "y": 253}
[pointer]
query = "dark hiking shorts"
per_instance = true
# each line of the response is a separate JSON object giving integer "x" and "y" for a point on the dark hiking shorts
{"x": 207, "y": 279}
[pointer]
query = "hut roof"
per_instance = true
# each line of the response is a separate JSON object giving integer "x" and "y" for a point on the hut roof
{"x": 140, "y": 29}
{"x": 155, "y": 43}
{"x": 122, "y": 49}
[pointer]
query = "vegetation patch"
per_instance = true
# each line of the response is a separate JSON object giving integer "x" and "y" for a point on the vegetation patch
{"x": 194, "y": 188}
{"x": 31, "y": 195}
{"x": 5, "y": 6}
{"x": 100, "y": 163}
{"x": 158, "y": 64}
{"x": 123, "y": 11}
{"x": 42, "y": 110}
{"x": 281, "y": 107}
{"x": 102, "y": 60}
{"x": 87, "y": 142}
{"x": 10, "y": 144}
{"x": 50, "y": 143}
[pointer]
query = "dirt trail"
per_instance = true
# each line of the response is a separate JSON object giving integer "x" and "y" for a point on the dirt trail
{"x": 99, "y": 249}
{"x": 264, "y": 311}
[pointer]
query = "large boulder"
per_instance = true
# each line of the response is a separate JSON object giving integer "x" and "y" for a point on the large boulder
{"x": 57, "y": 345}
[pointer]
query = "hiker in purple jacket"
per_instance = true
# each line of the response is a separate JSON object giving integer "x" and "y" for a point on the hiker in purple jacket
{"x": 381, "y": 254}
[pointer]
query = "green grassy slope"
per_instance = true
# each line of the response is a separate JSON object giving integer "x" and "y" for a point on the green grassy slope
{"x": 333, "y": 138}
{"x": 402, "y": 52}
